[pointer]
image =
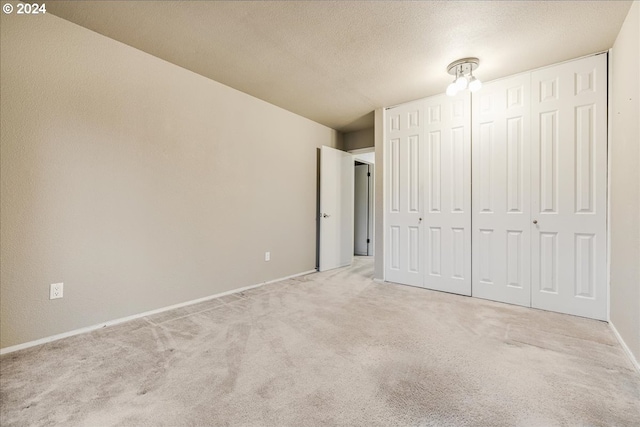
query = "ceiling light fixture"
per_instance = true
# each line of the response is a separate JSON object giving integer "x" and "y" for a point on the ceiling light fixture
{"x": 462, "y": 69}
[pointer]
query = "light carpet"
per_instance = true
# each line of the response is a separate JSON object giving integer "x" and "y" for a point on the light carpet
{"x": 331, "y": 348}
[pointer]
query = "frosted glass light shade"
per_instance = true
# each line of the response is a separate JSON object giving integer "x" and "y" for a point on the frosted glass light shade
{"x": 461, "y": 83}
{"x": 474, "y": 84}
{"x": 452, "y": 89}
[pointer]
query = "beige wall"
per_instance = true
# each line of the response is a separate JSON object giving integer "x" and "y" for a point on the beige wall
{"x": 358, "y": 139}
{"x": 624, "y": 114}
{"x": 137, "y": 183}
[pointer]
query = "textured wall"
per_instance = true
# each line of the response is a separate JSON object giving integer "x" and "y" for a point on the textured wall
{"x": 625, "y": 181}
{"x": 137, "y": 183}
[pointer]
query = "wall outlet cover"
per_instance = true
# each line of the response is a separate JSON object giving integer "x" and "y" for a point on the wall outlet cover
{"x": 55, "y": 290}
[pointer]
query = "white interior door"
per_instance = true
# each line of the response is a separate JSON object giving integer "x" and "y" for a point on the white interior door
{"x": 447, "y": 217}
{"x": 404, "y": 160}
{"x": 569, "y": 173}
{"x": 501, "y": 191}
{"x": 336, "y": 208}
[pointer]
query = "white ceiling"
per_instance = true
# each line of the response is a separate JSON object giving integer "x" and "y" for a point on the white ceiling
{"x": 336, "y": 61}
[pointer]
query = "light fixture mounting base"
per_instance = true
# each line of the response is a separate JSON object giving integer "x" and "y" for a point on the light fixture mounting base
{"x": 467, "y": 64}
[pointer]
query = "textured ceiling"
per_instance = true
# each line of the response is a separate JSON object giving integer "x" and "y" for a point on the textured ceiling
{"x": 336, "y": 61}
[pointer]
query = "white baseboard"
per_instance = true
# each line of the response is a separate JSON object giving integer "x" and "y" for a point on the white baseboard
{"x": 627, "y": 350}
{"x": 84, "y": 330}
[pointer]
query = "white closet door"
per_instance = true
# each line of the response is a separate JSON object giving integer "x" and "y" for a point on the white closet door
{"x": 501, "y": 191}
{"x": 404, "y": 152}
{"x": 447, "y": 217}
{"x": 569, "y": 172}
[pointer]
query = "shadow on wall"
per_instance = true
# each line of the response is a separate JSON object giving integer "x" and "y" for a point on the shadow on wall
{"x": 363, "y": 122}
{"x": 359, "y": 139}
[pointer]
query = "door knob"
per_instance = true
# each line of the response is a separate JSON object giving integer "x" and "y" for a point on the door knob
{"x": 535, "y": 221}
{"x": 325, "y": 215}
{"x": 419, "y": 219}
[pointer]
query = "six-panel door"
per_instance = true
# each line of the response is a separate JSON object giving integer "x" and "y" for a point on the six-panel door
{"x": 569, "y": 177}
{"x": 404, "y": 164}
{"x": 447, "y": 214}
{"x": 501, "y": 191}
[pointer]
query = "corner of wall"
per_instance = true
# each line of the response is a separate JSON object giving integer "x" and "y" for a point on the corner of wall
{"x": 379, "y": 194}
{"x": 624, "y": 195}
{"x": 339, "y": 141}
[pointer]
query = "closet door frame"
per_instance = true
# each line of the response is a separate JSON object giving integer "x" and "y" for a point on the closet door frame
{"x": 579, "y": 267}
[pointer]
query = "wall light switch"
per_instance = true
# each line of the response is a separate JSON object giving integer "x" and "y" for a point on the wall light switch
{"x": 267, "y": 256}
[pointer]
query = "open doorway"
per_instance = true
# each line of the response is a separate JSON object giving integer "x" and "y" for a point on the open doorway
{"x": 363, "y": 225}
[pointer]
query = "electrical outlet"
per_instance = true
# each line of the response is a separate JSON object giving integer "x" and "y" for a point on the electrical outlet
{"x": 267, "y": 256}
{"x": 55, "y": 290}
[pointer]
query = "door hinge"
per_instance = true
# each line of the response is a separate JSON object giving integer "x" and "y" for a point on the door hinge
{"x": 368, "y": 173}
{"x": 368, "y": 240}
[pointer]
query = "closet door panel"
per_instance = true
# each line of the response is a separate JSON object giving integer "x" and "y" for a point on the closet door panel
{"x": 447, "y": 216}
{"x": 501, "y": 191}
{"x": 569, "y": 165}
{"x": 404, "y": 200}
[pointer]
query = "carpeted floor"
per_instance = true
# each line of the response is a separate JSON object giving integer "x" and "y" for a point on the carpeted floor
{"x": 332, "y": 348}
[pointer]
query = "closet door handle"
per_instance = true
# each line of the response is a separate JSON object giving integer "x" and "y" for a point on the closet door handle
{"x": 535, "y": 221}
